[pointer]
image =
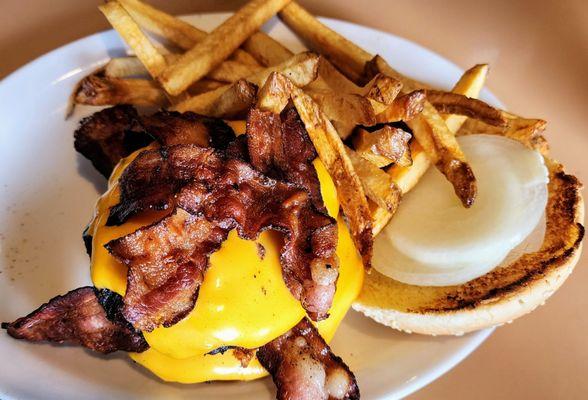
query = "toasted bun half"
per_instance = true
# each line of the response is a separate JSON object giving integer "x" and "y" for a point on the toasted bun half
{"x": 499, "y": 296}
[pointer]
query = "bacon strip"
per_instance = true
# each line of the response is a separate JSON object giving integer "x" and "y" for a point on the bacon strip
{"x": 280, "y": 148}
{"x": 109, "y": 135}
{"x": 303, "y": 366}
{"x": 166, "y": 264}
{"x": 113, "y": 133}
{"x": 87, "y": 316}
{"x": 231, "y": 194}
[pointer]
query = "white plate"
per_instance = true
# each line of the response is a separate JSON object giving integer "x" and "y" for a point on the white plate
{"x": 47, "y": 194}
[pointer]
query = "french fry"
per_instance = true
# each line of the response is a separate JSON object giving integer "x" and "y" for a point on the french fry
{"x": 428, "y": 127}
{"x": 235, "y": 101}
{"x": 243, "y": 57}
{"x": 382, "y": 89}
{"x": 453, "y": 103}
{"x": 405, "y": 179}
{"x": 332, "y": 153}
{"x": 348, "y": 109}
{"x": 178, "y": 32}
{"x": 128, "y": 29}
{"x": 301, "y": 69}
{"x": 204, "y": 85}
{"x": 125, "y": 67}
{"x": 102, "y": 90}
{"x": 262, "y": 47}
{"x": 274, "y": 95}
{"x": 218, "y": 45}
{"x": 377, "y": 184}
{"x": 266, "y": 50}
{"x": 403, "y": 108}
{"x": 438, "y": 142}
{"x": 231, "y": 71}
{"x": 525, "y": 130}
{"x": 383, "y": 147}
{"x": 348, "y": 57}
{"x": 470, "y": 84}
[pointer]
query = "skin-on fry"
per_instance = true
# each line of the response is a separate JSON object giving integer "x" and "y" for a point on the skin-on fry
{"x": 437, "y": 140}
{"x": 266, "y": 50}
{"x": 348, "y": 109}
{"x": 383, "y": 147}
{"x": 348, "y": 57}
{"x": 204, "y": 85}
{"x": 405, "y": 179}
{"x": 273, "y": 95}
{"x": 128, "y": 29}
{"x": 332, "y": 153}
{"x": 470, "y": 84}
{"x": 525, "y": 130}
{"x": 235, "y": 102}
{"x": 232, "y": 71}
{"x": 403, "y": 108}
{"x": 377, "y": 184}
{"x": 453, "y": 103}
{"x": 441, "y": 146}
{"x": 218, "y": 45}
{"x": 125, "y": 67}
{"x": 102, "y": 90}
{"x": 300, "y": 69}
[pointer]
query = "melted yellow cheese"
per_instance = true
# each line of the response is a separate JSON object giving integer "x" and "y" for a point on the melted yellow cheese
{"x": 243, "y": 300}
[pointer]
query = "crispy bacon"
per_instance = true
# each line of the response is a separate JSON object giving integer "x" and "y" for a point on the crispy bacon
{"x": 303, "y": 366}
{"x": 109, "y": 135}
{"x": 166, "y": 264}
{"x": 227, "y": 192}
{"x": 87, "y": 316}
{"x": 113, "y": 133}
{"x": 280, "y": 147}
{"x": 170, "y": 128}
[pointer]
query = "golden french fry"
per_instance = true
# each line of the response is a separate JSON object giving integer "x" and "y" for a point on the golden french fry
{"x": 353, "y": 61}
{"x": 377, "y": 184}
{"x": 231, "y": 71}
{"x": 525, "y": 130}
{"x": 218, "y": 45}
{"x": 128, "y": 29}
{"x": 266, "y": 50}
{"x": 383, "y": 147}
{"x": 405, "y": 179}
{"x": 348, "y": 57}
{"x": 439, "y": 142}
{"x": 403, "y": 108}
{"x": 102, "y": 90}
{"x": 348, "y": 109}
{"x": 332, "y": 153}
{"x": 454, "y": 103}
{"x": 300, "y": 69}
{"x": 470, "y": 84}
{"x": 273, "y": 95}
{"x": 235, "y": 101}
{"x": 203, "y": 86}
{"x": 262, "y": 47}
{"x": 382, "y": 89}
{"x": 178, "y": 32}
{"x": 243, "y": 57}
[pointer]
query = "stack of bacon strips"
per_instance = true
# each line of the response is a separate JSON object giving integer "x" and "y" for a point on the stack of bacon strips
{"x": 375, "y": 130}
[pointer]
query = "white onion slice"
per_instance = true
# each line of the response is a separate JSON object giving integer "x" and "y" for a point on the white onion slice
{"x": 433, "y": 240}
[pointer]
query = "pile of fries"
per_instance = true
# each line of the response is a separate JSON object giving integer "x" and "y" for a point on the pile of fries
{"x": 375, "y": 130}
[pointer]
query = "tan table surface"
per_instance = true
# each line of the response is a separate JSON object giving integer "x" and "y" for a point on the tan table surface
{"x": 538, "y": 52}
